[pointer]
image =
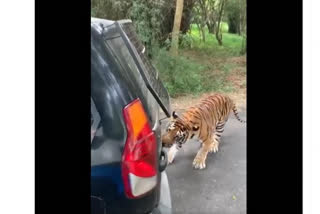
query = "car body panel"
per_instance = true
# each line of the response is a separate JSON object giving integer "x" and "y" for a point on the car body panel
{"x": 115, "y": 82}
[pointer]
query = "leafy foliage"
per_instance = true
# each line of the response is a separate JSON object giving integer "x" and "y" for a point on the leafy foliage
{"x": 110, "y": 9}
{"x": 147, "y": 16}
{"x": 182, "y": 76}
{"x": 147, "y": 20}
{"x": 233, "y": 13}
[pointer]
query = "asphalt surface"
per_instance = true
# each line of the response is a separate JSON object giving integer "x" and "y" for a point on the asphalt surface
{"x": 220, "y": 188}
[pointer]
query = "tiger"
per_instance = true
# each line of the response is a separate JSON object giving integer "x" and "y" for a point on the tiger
{"x": 205, "y": 120}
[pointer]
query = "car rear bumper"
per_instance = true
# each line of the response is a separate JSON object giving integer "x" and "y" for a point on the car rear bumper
{"x": 165, "y": 204}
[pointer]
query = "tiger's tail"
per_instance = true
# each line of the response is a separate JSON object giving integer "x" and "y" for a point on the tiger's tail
{"x": 234, "y": 109}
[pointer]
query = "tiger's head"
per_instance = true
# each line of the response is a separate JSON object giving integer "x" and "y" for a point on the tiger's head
{"x": 177, "y": 131}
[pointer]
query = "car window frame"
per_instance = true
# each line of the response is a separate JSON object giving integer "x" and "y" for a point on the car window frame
{"x": 165, "y": 106}
{"x": 96, "y": 119}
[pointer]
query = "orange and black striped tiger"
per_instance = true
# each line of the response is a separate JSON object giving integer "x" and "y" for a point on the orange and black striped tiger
{"x": 206, "y": 121}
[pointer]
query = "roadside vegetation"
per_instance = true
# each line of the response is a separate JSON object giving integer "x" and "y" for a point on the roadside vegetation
{"x": 203, "y": 52}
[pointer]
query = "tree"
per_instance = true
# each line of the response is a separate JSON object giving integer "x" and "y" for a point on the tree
{"x": 205, "y": 15}
{"x": 218, "y": 31}
{"x": 201, "y": 17}
{"x": 233, "y": 12}
{"x": 110, "y": 9}
{"x": 211, "y": 15}
{"x": 176, "y": 27}
{"x": 243, "y": 25}
{"x": 187, "y": 15}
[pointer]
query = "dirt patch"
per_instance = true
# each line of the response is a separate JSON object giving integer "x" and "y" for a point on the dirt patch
{"x": 236, "y": 77}
{"x": 202, "y": 57}
{"x": 242, "y": 60}
{"x": 184, "y": 102}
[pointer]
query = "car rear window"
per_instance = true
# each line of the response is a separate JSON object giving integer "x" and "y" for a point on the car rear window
{"x": 123, "y": 55}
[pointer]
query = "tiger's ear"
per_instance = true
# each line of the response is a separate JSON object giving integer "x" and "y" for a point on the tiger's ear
{"x": 174, "y": 115}
{"x": 195, "y": 128}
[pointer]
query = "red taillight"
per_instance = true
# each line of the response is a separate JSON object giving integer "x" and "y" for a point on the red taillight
{"x": 139, "y": 171}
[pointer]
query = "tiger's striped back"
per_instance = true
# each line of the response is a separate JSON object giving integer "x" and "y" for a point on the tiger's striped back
{"x": 211, "y": 110}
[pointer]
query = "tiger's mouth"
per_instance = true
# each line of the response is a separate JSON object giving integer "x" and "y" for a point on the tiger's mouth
{"x": 166, "y": 141}
{"x": 166, "y": 145}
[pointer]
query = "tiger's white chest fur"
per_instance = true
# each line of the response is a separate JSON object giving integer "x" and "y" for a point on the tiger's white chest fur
{"x": 174, "y": 148}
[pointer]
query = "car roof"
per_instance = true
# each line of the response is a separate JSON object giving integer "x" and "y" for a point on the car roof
{"x": 105, "y": 22}
{"x": 100, "y": 24}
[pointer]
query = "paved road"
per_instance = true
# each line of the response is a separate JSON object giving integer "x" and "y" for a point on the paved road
{"x": 221, "y": 187}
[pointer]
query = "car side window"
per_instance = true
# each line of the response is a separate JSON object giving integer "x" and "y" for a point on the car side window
{"x": 95, "y": 119}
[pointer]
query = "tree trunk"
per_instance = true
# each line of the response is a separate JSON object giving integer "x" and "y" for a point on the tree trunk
{"x": 176, "y": 28}
{"x": 240, "y": 20}
{"x": 244, "y": 45}
{"x": 244, "y": 31}
{"x": 211, "y": 27}
{"x": 187, "y": 15}
{"x": 199, "y": 28}
{"x": 233, "y": 27}
{"x": 203, "y": 32}
{"x": 218, "y": 31}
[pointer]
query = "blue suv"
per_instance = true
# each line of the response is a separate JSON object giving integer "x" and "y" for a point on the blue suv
{"x": 127, "y": 161}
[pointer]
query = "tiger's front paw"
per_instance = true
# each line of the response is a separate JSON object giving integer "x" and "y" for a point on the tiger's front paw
{"x": 214, "y": 147}
{"x": 199, "y": 163}
{"x": 172, "y": 153}
{"x": 170, "y": 158}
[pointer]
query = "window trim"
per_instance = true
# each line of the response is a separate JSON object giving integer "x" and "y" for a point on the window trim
{"x": 96, "y": 119}
{"x": 141, "y": 68}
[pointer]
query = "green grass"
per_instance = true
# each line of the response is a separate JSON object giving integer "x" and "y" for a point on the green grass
{"x": 182, "y": 75}
{"x": 231, "y": 43}
{"x": 224, "y": 27}
{"x": 217, "y": 80}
